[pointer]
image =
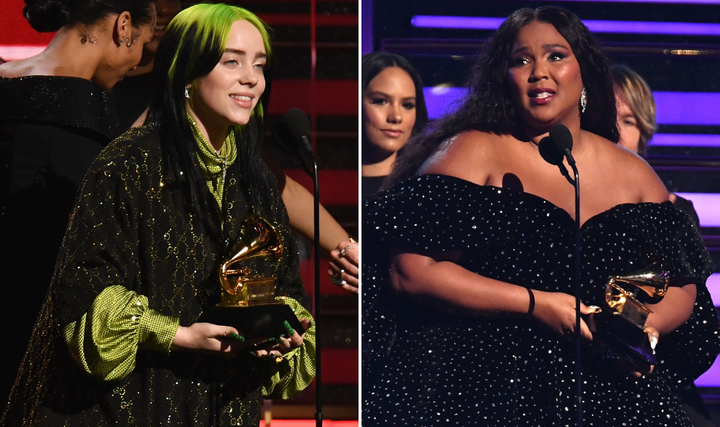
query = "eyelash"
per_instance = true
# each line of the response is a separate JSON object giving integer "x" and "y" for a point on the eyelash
{"x": 523, "y": 61}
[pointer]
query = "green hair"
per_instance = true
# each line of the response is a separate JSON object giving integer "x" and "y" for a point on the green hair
{"x": 209, "y": 25}
{"x": 191, "y": 47}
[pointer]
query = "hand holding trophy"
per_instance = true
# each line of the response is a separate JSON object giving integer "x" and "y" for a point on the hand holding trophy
{"x": 247, "y": 297}
{"x": 620, "y": 326}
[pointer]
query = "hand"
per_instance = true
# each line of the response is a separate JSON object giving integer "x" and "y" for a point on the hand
{"x": 653, "y": 337}
{"x": 557, "y": 311}
{"x": 343, "y": 269}
{"x": 277, "y": 346}
{"x": 209, "y": 338}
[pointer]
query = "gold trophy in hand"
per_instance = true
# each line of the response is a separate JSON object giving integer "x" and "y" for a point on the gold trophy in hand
{"x": 620, "y": 326}
{"x": 241, "y": 286}
{"x": 247, "y": 291}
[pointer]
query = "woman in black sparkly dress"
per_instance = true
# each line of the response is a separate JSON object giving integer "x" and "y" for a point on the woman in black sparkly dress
{"x": 468, "y": 310}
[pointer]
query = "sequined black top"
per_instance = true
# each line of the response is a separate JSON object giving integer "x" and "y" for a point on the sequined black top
{"x": 426, "y": 366}
{"x": 51, "y": 129}
{"x": 133, "y": 226}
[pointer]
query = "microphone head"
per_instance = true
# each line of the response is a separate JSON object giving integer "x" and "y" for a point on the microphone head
{"x": 298, "y": 123}
{"x": 561, "y": 137}
{"x": 550, "y": 152}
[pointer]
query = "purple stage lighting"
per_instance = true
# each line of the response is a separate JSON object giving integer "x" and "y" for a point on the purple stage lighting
{"x": 685, "y": 140}
{"x": 621, "y": 27}
{"x": 707, "y": 206}
{"x": 673, "y": 108}
{"x": 711, "y": 378}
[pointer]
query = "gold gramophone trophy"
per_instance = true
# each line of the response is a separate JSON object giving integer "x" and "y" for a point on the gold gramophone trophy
{"x": 241, "y": 286}
{"x": 247, "y": 296}
{"x": 620, "y": 326}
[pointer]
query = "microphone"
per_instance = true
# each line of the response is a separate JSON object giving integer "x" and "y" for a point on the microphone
{"x": 563, "y": 140}
{"x": 551, "y": 153}
{"x": 299, "y": 127}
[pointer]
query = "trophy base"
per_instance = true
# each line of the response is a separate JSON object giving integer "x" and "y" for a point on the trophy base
{"x": 255, "y": 321}
{"x": 620, "y": 340}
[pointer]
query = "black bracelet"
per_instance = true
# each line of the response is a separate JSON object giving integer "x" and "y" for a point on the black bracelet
{"x": 532, "y": 302}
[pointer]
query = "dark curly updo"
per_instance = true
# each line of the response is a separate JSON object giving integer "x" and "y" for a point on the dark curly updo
{"x": 51, "y": 15}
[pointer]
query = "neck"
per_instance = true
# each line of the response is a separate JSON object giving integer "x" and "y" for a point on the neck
{"x": 77, "y": 51}
{"x": 145, "y": 66}
{"x": 215, "y": 135}
{"x": 535, "y": 135}
{"x": 381, "y": 168}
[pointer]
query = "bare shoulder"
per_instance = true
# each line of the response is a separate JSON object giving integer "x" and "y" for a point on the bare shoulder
{"x": 14, "y": 69}
{"x": 466, "y": 156}
{"x": 638, "y": 177}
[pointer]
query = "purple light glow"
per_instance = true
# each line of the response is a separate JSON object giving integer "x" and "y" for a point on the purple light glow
{"x": 650, "y": 1}
{"x": 711, "y": 378}
{"x": 687, "y": 108}
{"x": 685, "y": 140}
{"x": 673, "y": 108}
{"x": 707, "y": 206}
{"x": 597, "y": 26}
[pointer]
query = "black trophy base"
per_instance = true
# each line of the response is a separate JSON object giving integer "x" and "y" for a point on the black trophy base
{"x": 620, "y": 340}
{"x": 259, "y": 321}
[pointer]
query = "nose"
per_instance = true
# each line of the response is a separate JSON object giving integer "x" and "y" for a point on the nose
{"x": 394, "y": 115}
{"x": 539, "y": 71}
{"x": 248, "y": 76}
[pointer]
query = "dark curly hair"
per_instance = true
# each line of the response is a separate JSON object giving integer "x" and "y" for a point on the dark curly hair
{"x": 488, "y": 105}
{"x": 51, "y": 15}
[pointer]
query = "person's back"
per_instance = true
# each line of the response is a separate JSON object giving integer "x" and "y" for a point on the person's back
{"x": 55, "y": 118}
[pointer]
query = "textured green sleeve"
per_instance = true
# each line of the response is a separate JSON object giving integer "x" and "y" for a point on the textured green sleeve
{"x": 105, "y": 340}
{"x": 297, "y": 370}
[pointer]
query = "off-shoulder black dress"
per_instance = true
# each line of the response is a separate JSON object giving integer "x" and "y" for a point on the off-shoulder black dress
{"x": 424, "y": 365}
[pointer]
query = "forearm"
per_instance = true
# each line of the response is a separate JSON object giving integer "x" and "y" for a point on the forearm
{"x": 674, "y": 309}
{"x": 300, "y": 207}
{"x": 447, "y": 281}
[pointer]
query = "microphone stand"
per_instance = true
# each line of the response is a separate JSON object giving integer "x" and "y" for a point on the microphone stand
{"x": 578, "y": 336}
{"x": 316, "y": 249}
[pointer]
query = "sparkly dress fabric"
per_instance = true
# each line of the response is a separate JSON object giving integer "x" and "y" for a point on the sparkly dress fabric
{"x": 51, "y": 130}
{"x": 427, "y": 365}
{"x": 133, "y": 227}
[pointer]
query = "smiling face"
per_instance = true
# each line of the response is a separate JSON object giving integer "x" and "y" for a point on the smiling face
{"x": 389, "y": 110}
{"x": 228, "y": 94}
{"x": 544, "y": 77}
{"x": 627, "y": 125}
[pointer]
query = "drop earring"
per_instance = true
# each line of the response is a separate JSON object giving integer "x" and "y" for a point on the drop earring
{"x": 583, "y": 101}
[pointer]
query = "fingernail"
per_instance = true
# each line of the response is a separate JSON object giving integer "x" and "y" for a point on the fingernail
{"x": 653, "y": 342}
{"x": 237, "y": 337}
{"x": 595, "y": 308}
{"x": 289, "y": 328}
{"x": 311, "y": 324}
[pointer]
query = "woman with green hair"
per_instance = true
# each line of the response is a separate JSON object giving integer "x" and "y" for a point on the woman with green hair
{"x": 121, "y": 338}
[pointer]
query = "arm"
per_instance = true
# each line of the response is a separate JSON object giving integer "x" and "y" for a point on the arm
{"x": 105, "y": 340}
{"x": 299, "y": 204}
{"x": 674, "y": 309}
{"x": 448, "y": 282}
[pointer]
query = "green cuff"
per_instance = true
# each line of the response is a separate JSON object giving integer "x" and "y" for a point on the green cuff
{"x": 157, "y": 331}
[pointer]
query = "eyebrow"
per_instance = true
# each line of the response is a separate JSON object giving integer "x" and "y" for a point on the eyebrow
{"x": 243, "y": 53}
{"x": 379, "y": 92}
{"x": 545, "y": 46}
